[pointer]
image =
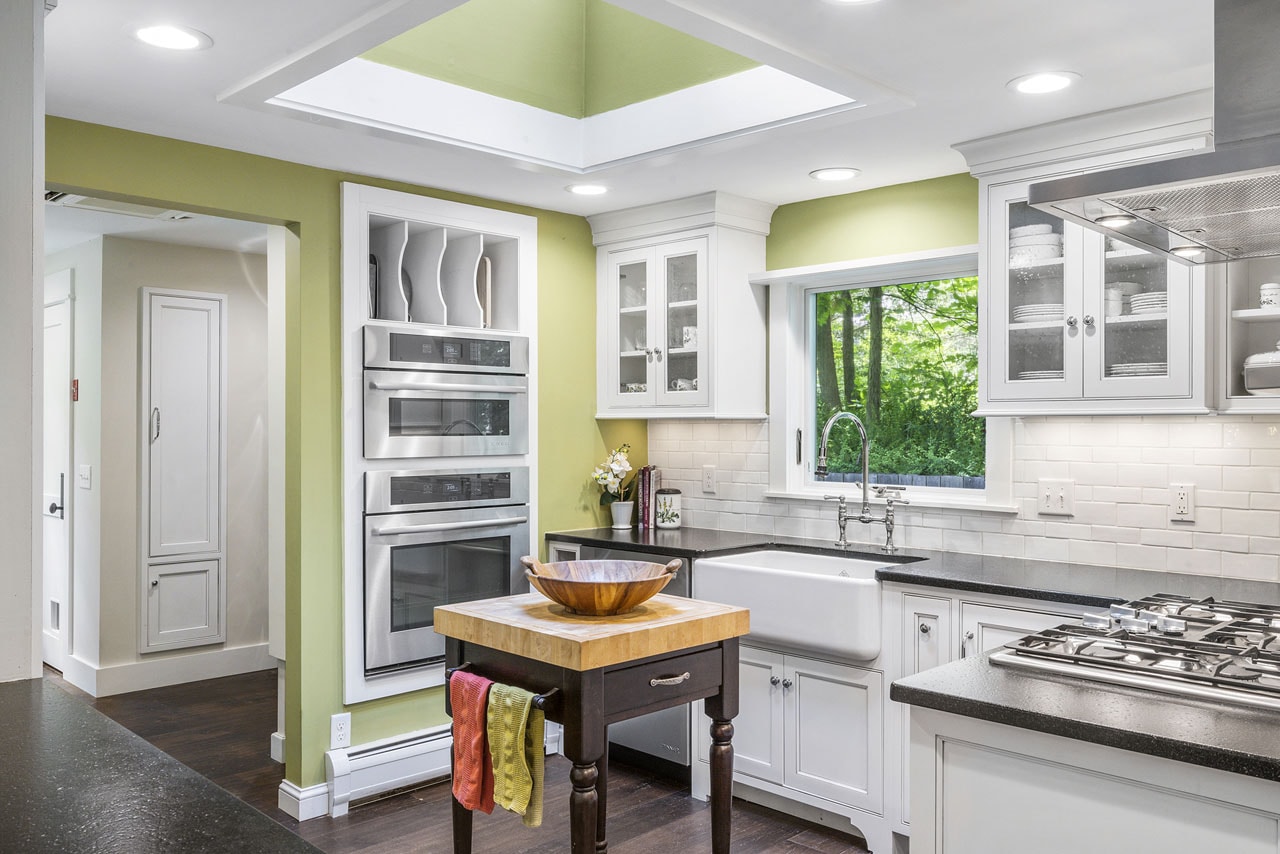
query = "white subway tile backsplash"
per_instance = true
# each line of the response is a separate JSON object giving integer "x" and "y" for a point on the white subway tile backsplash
{"x": 1122, "y": 469}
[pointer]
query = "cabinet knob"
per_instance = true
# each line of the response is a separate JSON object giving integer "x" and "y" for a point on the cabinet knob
{"x": 925, "y": 628}
{"x": 774, "y": 680}
{"x": 1088, "y": 320}
{"x": 1071, "y": 321}
{"x": 968, "y": 635}
{"x": 155, "y": 583}
{"x": 786, "y": 683}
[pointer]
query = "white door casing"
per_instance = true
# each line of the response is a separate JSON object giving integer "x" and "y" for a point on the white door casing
{"x": 55, "y": 497}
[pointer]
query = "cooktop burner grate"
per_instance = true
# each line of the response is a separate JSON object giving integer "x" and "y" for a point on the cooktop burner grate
{"x": 1217, "y": 649}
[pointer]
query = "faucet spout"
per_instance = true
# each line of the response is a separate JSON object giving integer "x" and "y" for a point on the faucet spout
{"x": 820, "y": 469}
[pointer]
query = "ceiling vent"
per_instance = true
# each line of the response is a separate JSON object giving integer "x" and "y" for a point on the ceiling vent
{"x": 89, "y": 203}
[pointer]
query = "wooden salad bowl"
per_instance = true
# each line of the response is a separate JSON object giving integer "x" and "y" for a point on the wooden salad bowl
{"x": 599, "y": 588}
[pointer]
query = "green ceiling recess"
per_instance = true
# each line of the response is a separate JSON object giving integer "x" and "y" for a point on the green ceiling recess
{"x": 578, "y": 58}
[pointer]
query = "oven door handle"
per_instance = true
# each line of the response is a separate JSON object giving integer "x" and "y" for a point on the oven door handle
{"x": 403, "y": 386}
{"x": 449, "y": 526}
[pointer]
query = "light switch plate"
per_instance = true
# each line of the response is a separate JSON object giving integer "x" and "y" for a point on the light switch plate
{"x": 85, "y": 477}
{"x": 1056, "y": 497}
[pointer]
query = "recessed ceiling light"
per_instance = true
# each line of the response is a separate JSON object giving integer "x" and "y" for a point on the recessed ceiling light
{"x": 1043, "y": 82}
{"x": 851, "y": 2}
{"x": 1187, "y": 251}
{"x": 173, "y": 37}
{"x": 1115, "y": 220}
{"x": 587, "y": 189}
{"x": 835, "y": 173}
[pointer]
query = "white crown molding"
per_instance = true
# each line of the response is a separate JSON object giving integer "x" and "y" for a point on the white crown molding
{"x": 701, "y": 211}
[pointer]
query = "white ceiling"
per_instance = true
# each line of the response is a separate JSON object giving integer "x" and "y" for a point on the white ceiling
{"x": 941, "y": 65}
{"x": 65, "y": 227}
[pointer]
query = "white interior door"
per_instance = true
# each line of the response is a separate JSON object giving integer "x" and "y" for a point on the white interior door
{"x": 55, "y": 490}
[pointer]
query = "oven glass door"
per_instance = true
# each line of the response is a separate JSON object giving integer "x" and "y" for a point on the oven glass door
{"x": 413, "y": 414}
{"x": 416, "y": 561}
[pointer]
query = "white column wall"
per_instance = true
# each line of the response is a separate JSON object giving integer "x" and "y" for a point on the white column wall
{"x": 21, "y": 299}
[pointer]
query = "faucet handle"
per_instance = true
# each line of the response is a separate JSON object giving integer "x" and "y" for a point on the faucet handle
{"x": 839, "y": 498}
{"x": 882, "y": 489}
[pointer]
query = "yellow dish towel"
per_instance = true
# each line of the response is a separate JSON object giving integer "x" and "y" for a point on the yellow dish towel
{"x": 516, "y": 745}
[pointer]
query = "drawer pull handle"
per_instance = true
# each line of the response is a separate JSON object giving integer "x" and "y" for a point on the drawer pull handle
{"x": 670, "y": 680}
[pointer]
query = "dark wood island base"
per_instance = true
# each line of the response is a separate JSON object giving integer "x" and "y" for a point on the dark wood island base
{"x": 589, "y": 675}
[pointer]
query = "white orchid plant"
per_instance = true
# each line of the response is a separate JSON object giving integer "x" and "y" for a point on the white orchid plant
{"x": 611, "y": 475}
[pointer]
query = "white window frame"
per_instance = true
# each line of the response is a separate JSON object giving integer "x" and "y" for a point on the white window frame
{"x": 791, "y": 356}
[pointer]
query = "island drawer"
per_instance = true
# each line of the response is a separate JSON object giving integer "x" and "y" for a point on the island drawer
{"x": 659, "y": 683}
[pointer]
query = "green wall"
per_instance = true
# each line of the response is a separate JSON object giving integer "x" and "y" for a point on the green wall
{"x": 913, "y": 217}
{"x": 136, "y": 167}
{"x": 573, "y": 57}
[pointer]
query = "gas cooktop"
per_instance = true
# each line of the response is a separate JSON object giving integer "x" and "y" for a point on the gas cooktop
{"x": 1208, "y": 648}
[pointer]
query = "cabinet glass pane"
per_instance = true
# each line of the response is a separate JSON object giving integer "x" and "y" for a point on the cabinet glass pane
{"x": 1135, "y": 322}
{"x": 682, "y": 322}
{"x": 633, "y": 327}
{"x": 1036, "y": 323}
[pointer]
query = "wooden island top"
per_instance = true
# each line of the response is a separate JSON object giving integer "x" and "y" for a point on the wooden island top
{"x": 532, "y": 626}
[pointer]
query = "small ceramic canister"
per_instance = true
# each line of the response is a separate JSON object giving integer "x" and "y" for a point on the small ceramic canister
{"x": 1269, "y": 295}
{"x": 667, "y": 508}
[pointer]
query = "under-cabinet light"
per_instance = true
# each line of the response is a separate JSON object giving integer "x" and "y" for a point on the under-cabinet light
{"x": 1187, "y": 251}
{"x": 1115, "y": 220}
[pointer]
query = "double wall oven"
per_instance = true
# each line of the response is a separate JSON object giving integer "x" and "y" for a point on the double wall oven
{"x": 449, "y": 521}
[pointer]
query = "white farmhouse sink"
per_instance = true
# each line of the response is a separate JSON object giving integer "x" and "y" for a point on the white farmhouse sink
{"x": 818, "y": 602}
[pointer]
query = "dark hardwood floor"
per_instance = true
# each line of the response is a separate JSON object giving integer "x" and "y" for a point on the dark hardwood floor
{"x": 221, "y": 728}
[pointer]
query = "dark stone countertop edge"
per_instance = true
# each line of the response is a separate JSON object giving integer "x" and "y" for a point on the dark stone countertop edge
{"x": 1224, "y": 757}
{"x": 1020, "y": 578}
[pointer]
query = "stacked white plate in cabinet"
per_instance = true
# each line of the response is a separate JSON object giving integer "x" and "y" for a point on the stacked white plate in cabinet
{"x": 1035, "y": 312}
{"x": 1156, "y": 303}
{"x": 1040, "y": 375}
{"x": 1033, "y": 243}
{"x": 1029, "y": 230}
{"x": 1138, "y": 369}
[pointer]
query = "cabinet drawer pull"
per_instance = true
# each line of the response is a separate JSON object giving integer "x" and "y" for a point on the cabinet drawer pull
{"x": 670, "y": 680}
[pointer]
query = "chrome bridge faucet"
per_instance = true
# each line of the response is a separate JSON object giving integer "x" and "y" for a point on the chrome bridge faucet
{"x": 891, "y": 494}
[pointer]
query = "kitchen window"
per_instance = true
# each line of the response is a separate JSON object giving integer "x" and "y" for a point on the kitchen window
{"x": 894, "y": 341}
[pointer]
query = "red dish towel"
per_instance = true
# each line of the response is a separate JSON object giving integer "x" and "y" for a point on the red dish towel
{"x": 472, "y": 765}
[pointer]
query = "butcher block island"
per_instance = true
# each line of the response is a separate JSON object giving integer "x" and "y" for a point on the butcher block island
{"x": 593, "y": 671}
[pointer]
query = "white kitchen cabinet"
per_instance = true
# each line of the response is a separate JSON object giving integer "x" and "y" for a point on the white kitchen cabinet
{"x": 1076, "y": 322}
{"x": 929, "y": 627}
{"x": 988, "y": 788}
{"x": 809, "y": 727}
{"x": 182, "y": 426}
{"x": 657, "y": 334}
{"x": 1248, "y": 329}
{"x": 681, "y": 330}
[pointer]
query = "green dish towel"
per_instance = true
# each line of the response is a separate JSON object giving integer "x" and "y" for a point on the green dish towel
{"x": 516, "y": 745}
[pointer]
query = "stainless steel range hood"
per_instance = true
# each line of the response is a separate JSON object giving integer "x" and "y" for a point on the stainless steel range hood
{"x": 1203, "y": 208}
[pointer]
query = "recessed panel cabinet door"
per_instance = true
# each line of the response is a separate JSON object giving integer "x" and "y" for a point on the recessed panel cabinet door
{"x": 183, "y": 603}
{"x": 183, "y": 429}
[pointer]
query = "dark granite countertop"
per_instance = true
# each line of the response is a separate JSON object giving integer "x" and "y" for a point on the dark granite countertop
{"x": 75, "y": 780}
{"x": 1077, "y": 584}
{"x": 1215, "y": 735}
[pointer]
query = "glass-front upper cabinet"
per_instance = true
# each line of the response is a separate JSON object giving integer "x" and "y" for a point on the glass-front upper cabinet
{"x": 657, "y": 336}
{"x": 1072, "y": 315}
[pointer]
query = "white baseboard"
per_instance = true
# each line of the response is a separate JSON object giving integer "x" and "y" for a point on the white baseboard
{"x": 173, "y": 669}
{"x": 303, "y": 804}
{"x": 381, "y": 766}
{"x": 277, "y": 747}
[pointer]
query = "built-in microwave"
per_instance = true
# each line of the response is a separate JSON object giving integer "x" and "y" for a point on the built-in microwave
{"x": 437, "y": 538}
{"x": 444, "y": 394}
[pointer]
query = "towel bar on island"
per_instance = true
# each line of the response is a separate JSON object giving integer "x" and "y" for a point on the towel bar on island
{"x": 539, "y": 700}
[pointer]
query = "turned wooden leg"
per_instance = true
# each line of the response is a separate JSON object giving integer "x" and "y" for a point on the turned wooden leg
{"x": 461, "y": 821}
{"x": 602, "y": 799}
{"x": 583, "y": 804}
{"x": 721, "y": 784}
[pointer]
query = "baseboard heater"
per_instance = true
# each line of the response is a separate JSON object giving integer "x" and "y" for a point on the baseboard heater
{"x": 366, "y": 770}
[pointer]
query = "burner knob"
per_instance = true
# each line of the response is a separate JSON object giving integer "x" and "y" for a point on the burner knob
{"x": 1133, "y": 624}
{"x": 1170, "y": 625}
{"x": 1096, "y": 621}
{"x": 1122, "y": 611}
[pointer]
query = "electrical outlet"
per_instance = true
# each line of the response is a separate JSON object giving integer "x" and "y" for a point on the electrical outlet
{"x": 709, "y": 479}
{"x": 1056, "y": 497}
{"x": 340, "y": 731}
{"x": 1182, "y": 502}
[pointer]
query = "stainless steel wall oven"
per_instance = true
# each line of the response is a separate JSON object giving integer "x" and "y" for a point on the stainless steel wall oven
{"x": 444, "y": 394}
{"x": 437, "y": 537}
